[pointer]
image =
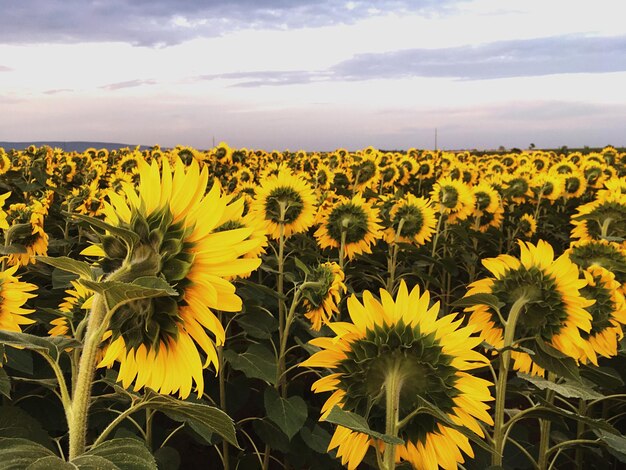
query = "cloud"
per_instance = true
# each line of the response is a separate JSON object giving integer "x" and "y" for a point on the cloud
{"x": 57, "y": 91}
{"x": 4, "y": 68}
{"x": 502, "y": 59}
{"x": 167, "y": 22}
{"x": 127, "y": 84}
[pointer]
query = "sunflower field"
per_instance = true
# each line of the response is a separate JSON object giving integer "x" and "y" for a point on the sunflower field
{"x": 242, "y": 309}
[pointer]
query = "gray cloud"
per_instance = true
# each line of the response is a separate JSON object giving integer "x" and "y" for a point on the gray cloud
{"x": 503, "y": 59}
{"x": 166, "y": 22}
{"x": 128, "y": 84}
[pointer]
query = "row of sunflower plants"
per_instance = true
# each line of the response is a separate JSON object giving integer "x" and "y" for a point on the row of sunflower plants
{"x": 243, "y": 309}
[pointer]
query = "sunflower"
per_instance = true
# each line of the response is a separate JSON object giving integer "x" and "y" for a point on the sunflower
{"x": 355, "y": 219}
{"x": 26, "y": 228}
{"x": 175, "y": 221}
{"x": 3, "y": 215}
{"x": 554, "y": 311}
{"x": 412, "y": 220}
{"x": 574, "y": 184}
{"x": 365, "y": 172}
{"x": 73, "y": 309}
{"x": 287, "y": 203}
{"x": 517, "y": 188}
{"x": 527, "y": 225}
{"x": 322, "y": 301}
{"x": 608, "y": 312}
{"x": 547, "y": 186}
{"x": 13, "y": 295}
{"x": 453, "y": 198}
{"x": 602, "y": 218}
{"x": 609, "y": 255}
{"x": 398, "y": 347}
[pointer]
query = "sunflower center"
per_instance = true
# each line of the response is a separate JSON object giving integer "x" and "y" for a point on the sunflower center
{"x": 424, "y": 169}
{"x": 425, "y": 374}
{"x": 483, "y": 200}
{"x": 517, "y": 187}
{"x": 287, "y": 197}
{"x": 365, "y": 170}
{"x": 572, "y": 184}
{"x": 413, "y": 220}
{"x": 449, "y": 196}
{"x": 544, "y": 313}
{"x": 349, "y": 218}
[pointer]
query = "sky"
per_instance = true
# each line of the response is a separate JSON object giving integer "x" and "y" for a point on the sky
{"x": 315, "y": 75}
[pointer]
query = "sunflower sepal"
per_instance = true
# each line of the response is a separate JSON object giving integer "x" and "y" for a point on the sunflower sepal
{"x": 80, "y": 268}
{"x": 116, "y": 293}
{"x": 130, "y": 237}
{"x": 357, "y": 423}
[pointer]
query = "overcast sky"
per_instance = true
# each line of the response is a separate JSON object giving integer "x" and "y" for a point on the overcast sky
{"x": 315, "y": 75}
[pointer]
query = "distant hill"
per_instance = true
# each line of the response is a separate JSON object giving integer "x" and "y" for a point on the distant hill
{"x": 72, "y": 146}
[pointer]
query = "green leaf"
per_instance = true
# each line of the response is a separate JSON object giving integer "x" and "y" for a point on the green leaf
{"x": 568, "y": 389}
{"x": 130, "y": 237}
{"x": 12, "y": 249}
{"x": 604, "y": 377}
{"x": 117, "y": 293}
{"x": 546, "y": 410}
{"x": 5, "y": 383}
{"x": 479, "y": 299}
{"x": 258, "y": 323}
{"x": 51, "y": 461}
{"x": 257, "y": 362}
{"x": 52, "y": 345}
{"x": 167, "y": 458}
{"x": 316, "y": 438}
{"x": 289, "y": 414}
{"x": 615, "y": 442}
{"x": 94, "y": 462}
{"x": 17, "y": 453}
{"x": 301, "y": 266}
{"x": 82, "y": 269}
{"x": 15, "y": 422}
{"x": 126, "y": 454}
{"x": 357, "y": 423}
{"x": 554, "y": 360}
{"x": 207, "y": 419}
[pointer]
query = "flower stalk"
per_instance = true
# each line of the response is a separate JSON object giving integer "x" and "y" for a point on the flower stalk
{"x": 503, "y": 371}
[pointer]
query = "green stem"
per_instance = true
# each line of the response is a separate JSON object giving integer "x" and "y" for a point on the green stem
{"x": 503, "y": 371}
{"x": 77, "y": 419}
{"x": 580, "y": 430}
{"x": 434, "y": 249}
{"x": 392, "y": 261}
{"x": 222, "y": 391}
{"x": 342, "y": 249}
{"x": 63, "y": 390}
{"x": 544, "y": 426}
{"x": 393, "y": 386}
{"x": 121, "y": 417}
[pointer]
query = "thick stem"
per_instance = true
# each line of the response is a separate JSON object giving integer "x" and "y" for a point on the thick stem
{"x": 434, "y": 249}
{"x": 503, "y": 371}
{"x": 544, "y": 426}
{"x": 77, "y": 419}
{"x": 342, "y": 249}
{"x": 580, "y": 430}
{"x": 393, "y": 386}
